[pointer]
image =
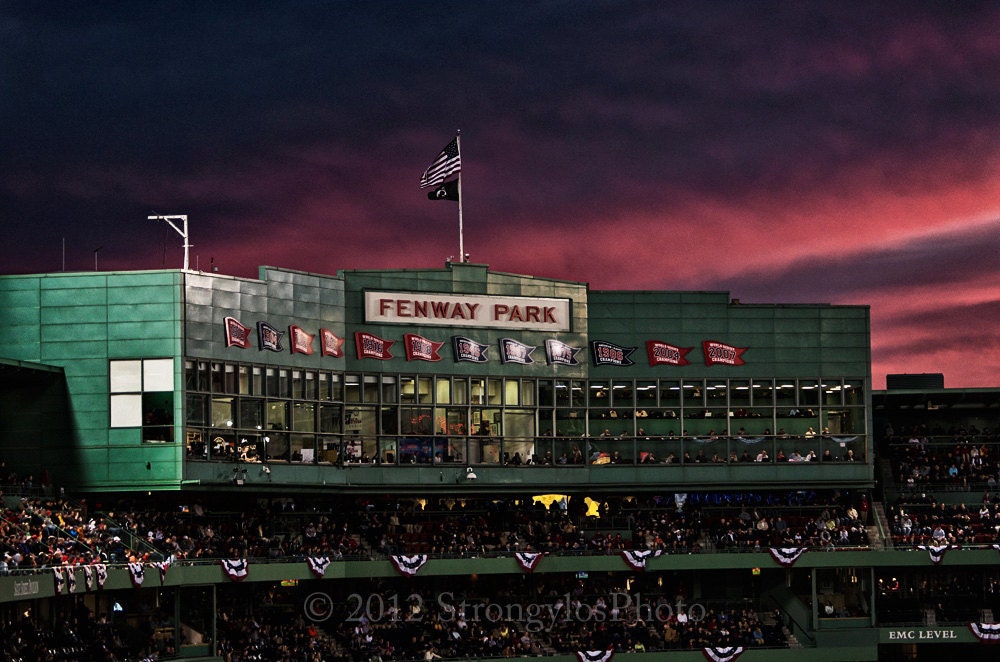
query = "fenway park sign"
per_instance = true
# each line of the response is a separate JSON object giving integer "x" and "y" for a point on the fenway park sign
{"x": 495, "y": 312}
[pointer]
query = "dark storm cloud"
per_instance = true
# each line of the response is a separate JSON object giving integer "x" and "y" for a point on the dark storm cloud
{"x": 785, "y": 151}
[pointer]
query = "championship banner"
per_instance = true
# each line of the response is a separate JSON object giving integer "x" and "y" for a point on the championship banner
{"x": 268, "y": 337}
{"x": 318, "y": 564}
{"x": 722, "y": 653}
{"x": 369, "y": 346}
{"x": 330, "y": 344}
{"x": 528, "y": 560}
{"x": 512, "y": 351}
{"x": 136, "y": 573}
{"x": 408, "y": 565}
{"x": 419, "y": 348}
{"x": 936, "y": 551}
{"x": 60, "y": 579}
{"x": 661, "y": 353}
{"x": 636, "y": 559}
{"x": 237, "y": 335}
{"x": 302, "y": 342}
{"x": 560, "y": 353}
{"x": 467, "y": 349}
{"x": 235, "y": 569}
{"x": 595, "y": 656}
{"x": 606, "y": 353}
{"x": 986, "y": 632}
{"x": 717, "y": 353}
{"x": 786, "y": 556}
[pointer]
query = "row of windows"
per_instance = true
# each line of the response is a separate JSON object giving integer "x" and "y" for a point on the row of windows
{"x": 298, "y": 384}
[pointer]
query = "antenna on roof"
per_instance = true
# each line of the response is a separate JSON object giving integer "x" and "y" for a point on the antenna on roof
{"x": 172, "y": 221}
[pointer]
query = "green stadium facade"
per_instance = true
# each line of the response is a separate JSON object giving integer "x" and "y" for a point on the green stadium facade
{"x": 462, "y": 382}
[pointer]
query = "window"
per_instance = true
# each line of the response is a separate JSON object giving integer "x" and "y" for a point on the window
{"x": 142, "y": 396}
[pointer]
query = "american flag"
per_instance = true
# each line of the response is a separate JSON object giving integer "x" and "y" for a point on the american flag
{"x": 447, "y": 163}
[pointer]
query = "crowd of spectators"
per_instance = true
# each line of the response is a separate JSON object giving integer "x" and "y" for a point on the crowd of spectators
{"x": 39, "y": 532}
{"x": 958, "y": 458}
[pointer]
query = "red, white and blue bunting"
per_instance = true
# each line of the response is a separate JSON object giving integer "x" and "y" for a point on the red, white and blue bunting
{"x": 787, "y": 556}
{"x": 88, "y": 576}
{"x": 71, "y": 579}
{"x": 636, "y": 558}
{"x": 101, "y": 571}
{"x": 162, "y": 566}
{"x": 986, "y": 632}
{"x": 936, "y": 551}
{"x": 235, "y": 569}
{"x": 137, "y": 573}
{"x": 595, "y": 656}
{"x": 408, "y": 565}
{"x": 723, "y": 653}
{"x": 60, "y": 579}
{"x": 528, "y": 560}
{"x": 318, "y": 564}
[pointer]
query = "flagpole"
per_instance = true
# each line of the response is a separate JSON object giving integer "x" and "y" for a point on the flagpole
{"x": 461, "y": 236}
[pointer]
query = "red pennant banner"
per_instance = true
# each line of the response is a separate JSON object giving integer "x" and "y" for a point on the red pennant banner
{"x": 661, "y": 353}
{"x": 237, "y": 335}
{"x": 419, "y": 348}
{"x": 330, "y": 344}
{"x": 717, "y": 353}
{"x": 372, "y": 347}
{"x": 302, "y": 342}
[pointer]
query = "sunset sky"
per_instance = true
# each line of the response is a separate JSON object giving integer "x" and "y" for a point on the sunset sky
{"x": 793, "y": 152}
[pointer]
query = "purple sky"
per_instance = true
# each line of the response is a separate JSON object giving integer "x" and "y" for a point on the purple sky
{"x": 785, "y": 152}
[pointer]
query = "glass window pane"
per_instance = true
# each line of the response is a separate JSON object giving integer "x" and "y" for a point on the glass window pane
{"x": 126, "y": 376}
{"x": 352, "y": 388}
{"x": 424, "y": 393}
{"x": 763, "y": 392}
{"x": 622, "y": 395}
{"x": 336, "y": 388}
{"x": 478, "y": 391}
{"x": 371, "y": 388}
{"x": 407, "y": 390}
{"x": 222, "y": 412}
{"x": 243, "y": 376}
{"x": 854, "y": 392}
{"x": 204, "y": 375}
{"x": 284, "y": 386}
{"x": 833, "y": 392}
{"x": 739, "y": 393}
{"x": 528, "y": 392}
{"x": 546, "y": 393}
{"x": 324, "y": 386}
{"x": 808, "y": 393}
{"x": 670, "y": 393}
{"x": 330, "y": 419}
{"x": 272, "y": 382}
{"x": 562, "y": 393}
{"x": 126, "y": 411}
{"x": 298, "y": 384}
{"x": 190, "y": 376}
{"x": 494, "y": 387}
{"x": 600, "y": 395}
{"x": 257, "y": 375}
{"x": 388, "y": 389}
{"x": 277, "y": 416}
{"x": 442, "y": 390}
{"x": 510, "y": 394}
{"x": 251, "y": 413}
{"x": 304, "y": 416}
{"x": 196, "y": 410}
{"x": 218, "y": 378}
{"x": 460, "y": 391}
{"x": 158, "y": 375}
